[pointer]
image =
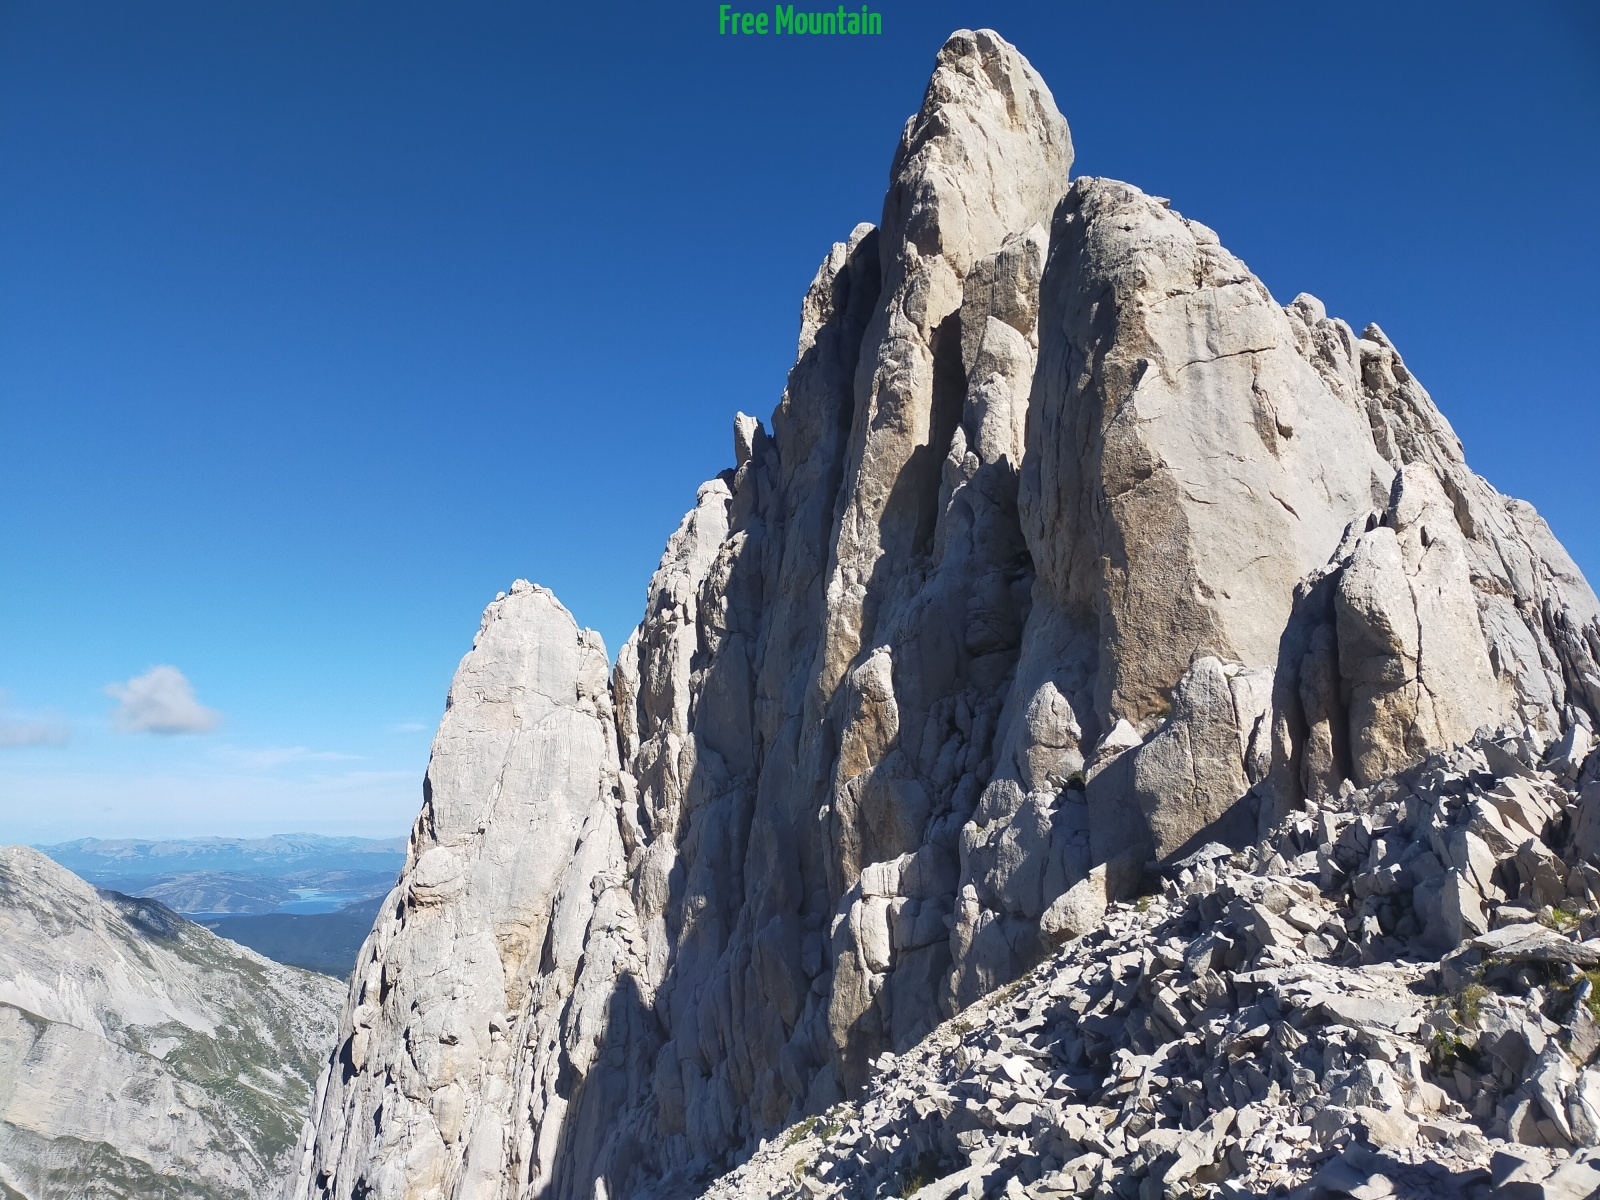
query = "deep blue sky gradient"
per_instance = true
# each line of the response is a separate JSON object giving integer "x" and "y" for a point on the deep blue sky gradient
{"x": 320, "y": 322}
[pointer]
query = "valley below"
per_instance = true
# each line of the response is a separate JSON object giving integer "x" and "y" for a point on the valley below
{"x": 304, "y": 900}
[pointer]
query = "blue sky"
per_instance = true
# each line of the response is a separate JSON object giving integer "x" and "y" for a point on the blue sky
{"x": 320, "y": 323}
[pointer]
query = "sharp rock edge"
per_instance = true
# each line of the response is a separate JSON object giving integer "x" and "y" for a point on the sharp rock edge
{"x": 140, "y": 1054}
{"x": 1070, "y": 553}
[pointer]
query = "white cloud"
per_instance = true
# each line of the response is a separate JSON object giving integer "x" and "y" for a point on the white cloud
{"x": 19, "y": 729}
{"x": 160, "y": 701}
{"x": 411, "y": 727}
{"x": 268, "y": 757}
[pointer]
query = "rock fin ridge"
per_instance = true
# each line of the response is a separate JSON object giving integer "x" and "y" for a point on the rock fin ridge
{"x": 1069, "y": 553}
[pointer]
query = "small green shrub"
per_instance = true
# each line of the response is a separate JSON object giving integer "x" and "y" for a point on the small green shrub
{"x": 1003, "y": 995}
{"x": 800, "y": 1132}
{"x": 1446, "y": 1050}
{"x": 919, "y": 1174}
{"x": 1563, "y": 995}
{"x": 1469, "y": 1003}
{"x": 1563, "y": 918}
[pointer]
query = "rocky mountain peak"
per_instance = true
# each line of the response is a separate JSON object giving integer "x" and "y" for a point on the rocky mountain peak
{"x": 1070, "y": 556}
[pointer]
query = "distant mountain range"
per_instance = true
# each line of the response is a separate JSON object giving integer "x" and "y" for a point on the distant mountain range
{"x": 277, "y": 855}
{"x": 298, "y": 898}
{"x": 206, "y": 893}
{"x": 291, "y": 872}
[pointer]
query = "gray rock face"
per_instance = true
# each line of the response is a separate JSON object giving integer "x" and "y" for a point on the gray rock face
{"x": 1069, "y": 552}
{"x": 141, "y": 1055}
{"x": 435, "y": 1075}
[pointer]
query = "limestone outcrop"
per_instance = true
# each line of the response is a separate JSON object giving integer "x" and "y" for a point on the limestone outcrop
{"x": 469, "y": 968}
{"x": 140, "y": 1054}
{"x": 1069, "y": 553}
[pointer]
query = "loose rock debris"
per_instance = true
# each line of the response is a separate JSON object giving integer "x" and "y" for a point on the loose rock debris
{"x": 1393, "y": 996}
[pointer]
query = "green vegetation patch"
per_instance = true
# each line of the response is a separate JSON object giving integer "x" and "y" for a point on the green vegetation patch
{"x": 919, "y": 1174}
{"x": 1446, "y": 1050}
{"x": 800, "y": 1132}
{"x": 1563, "y": 917}
{"x": 1468, "y": 1004}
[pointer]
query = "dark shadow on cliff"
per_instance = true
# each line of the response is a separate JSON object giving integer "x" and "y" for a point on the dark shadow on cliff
{"x": 747, "y": 872}
{"x": 591, "y": 1132}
